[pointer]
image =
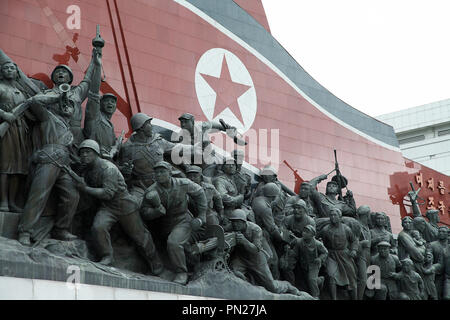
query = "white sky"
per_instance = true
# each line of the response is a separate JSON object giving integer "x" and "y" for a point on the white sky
{"x": 379, "y": 56}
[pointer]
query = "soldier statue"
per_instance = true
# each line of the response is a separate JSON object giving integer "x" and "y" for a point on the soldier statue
{"x": 248, "y": 255}
{"x": 310, "y": 254}
{"x": 176, "y": 224}
{"x": 389, "y": 264}
{"x": 141, "y": 152}
{"x": 214, "y": 214}
{"x": 104, "y": 182}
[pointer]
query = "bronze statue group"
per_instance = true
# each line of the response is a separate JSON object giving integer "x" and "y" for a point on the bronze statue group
{"x": 53, "y": 170}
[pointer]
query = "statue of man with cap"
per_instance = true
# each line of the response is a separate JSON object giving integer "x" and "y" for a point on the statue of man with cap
{"x": 309, "y": 254}
{"x": 176, "y": 224}
{"x": 214, "y": 214}
{"x": 389, "y": 265}
{"x": 248, "y": 255}
{"x": 141, "y": 152}
{"x": 103, "y": 181}
{"x": 97, "y": 118}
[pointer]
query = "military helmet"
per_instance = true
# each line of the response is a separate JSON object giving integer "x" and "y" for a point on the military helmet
{"x": 363, "y": 210}
{"x": 271, "y": 190}
{"x": 138, "y": 120}
{"x": 268, "y": 170}
{"x": 91, "y": 144}
{"x": 238, "y": 214}
{"x": 64, "y": 67}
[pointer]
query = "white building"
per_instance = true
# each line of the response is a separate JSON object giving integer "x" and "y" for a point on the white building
{"x": 423, "y": 133}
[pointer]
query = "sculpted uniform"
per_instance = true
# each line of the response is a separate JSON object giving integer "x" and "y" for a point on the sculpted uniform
{"x": 271, "y": 232}
{"x": 228, "y": 191}
{"x": 245, "y": 261}
{"x": 297, "y": 226}
{"x": 215, "y": 204}
{"x": 175, "y": 224}
{"x": 378, "y": 235}
{"x": 57, "y": 140}
{"x": 77, "y": 94}
{"x": 305, "y": 254}
{"x": 340, "y": 266}
{"x": 97, "y": 126}
{"x": 328, "y": 204}
{"x": 118, "y": 206}
{"x": 144, "y": 155}
{"x": 388, "y": 266}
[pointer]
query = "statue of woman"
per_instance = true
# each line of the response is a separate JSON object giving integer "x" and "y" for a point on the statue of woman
{"x": 15, "y": 145}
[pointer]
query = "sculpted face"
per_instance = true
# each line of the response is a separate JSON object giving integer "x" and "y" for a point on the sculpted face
{"x": 383, "y": 251}
{"x": 66, "y": 110}
{"x": 87, "y": 155}
{"x": 305, "y": 191}
{"x": 332, "y": 189}
{"x": 9, "y": 71}
{"x": 334, "y": 217}
{"x": 61, "y": 76}
{"x": 147, "y": 128}
{"x": 238, "y": 225}
{"x": 229, "y": 168}
{"x": 443, "y": 233}
{"x": 195, "y": 177}
{"x": 379, "y": 220}
{"x": 407, "y": 224}
{"x": 162, "y": 175}
{"x": 307, "y": 235}
{"x": 108, "y": 105}
{"x": 299, "y": 211}
{"x": 187, "y": 124}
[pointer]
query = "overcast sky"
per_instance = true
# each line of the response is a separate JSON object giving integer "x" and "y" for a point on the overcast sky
{"x": 378, "y": 56}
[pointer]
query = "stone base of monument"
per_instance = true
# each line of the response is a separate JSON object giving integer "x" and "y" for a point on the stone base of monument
{"x": 68, "y": 261}
{"x": 8, "y": 224}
